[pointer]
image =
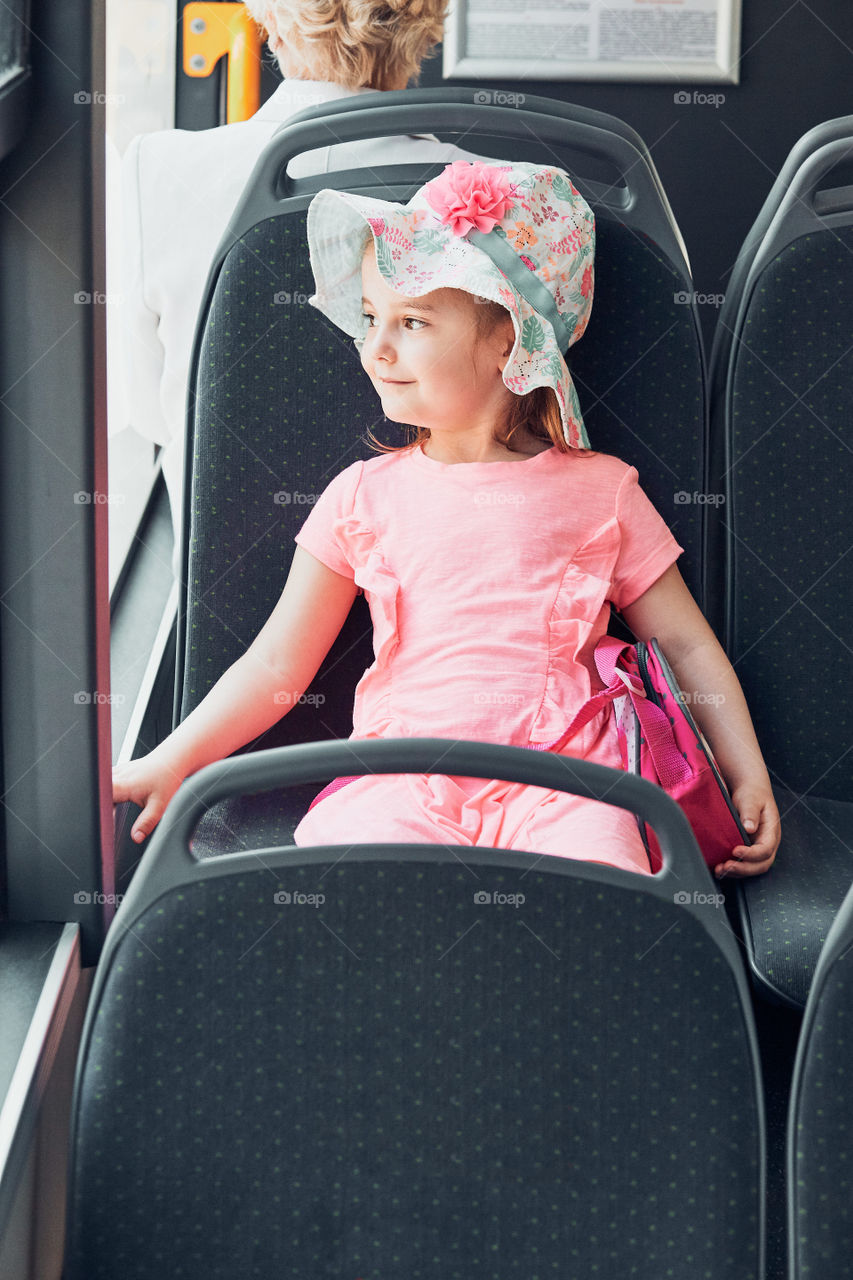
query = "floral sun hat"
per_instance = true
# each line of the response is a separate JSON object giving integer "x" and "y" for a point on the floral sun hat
{"x": 517, "y": 234}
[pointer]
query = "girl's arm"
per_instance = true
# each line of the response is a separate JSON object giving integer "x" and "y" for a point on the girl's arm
{"x": 255, "y": 692}
{"x": 669, "y": 612}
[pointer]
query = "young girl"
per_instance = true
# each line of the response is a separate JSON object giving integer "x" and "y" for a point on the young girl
{"x": 489, "y": 550}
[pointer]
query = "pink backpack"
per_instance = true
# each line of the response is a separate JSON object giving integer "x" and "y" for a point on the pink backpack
{"x": 660, "y": 740}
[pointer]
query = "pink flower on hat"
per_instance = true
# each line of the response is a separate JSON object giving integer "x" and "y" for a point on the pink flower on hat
{"x": 470, "y": 194}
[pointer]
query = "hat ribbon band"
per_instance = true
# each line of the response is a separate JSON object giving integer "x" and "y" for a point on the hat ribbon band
{"x": 525, "y": 281}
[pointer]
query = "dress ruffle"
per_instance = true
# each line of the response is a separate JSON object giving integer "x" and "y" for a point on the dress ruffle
{"x": 574, "y": 627}
{"x": 371, "y": 711}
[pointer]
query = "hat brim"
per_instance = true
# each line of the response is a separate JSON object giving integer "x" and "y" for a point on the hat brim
{"x": 337, "y": 222}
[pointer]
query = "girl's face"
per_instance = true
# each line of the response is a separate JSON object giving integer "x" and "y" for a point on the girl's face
{"x": 424, "y": 359}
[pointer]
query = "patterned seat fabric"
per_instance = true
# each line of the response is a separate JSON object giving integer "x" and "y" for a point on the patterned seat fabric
{"x": 820, "y": 1133}
{"x": 402, "y": 1080}
{"x": 282, "y": 405}
{"x": 790, "y": 910}
{"x": 790, "y": 530}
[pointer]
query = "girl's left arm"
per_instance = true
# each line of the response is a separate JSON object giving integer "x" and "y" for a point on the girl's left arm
{"x": 669, "y": 612}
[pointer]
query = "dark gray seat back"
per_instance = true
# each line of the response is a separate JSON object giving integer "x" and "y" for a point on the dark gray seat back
{"x": 782, "y": 452}
{"x": 730, "y": 321}
{"x": 820, "y": 1202}
{"x": 403, "y": 1060}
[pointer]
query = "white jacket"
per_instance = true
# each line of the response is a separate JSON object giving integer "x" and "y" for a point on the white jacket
{"x": 179, "y": 189}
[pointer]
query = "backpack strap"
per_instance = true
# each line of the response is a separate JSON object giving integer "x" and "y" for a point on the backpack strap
{"x": 618, "y": 685}
{"x": 672, "y": 768}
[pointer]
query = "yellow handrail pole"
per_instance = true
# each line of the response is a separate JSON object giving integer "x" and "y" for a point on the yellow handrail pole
{"x": 244, "y": 72}
{"x": 216, "y": 30}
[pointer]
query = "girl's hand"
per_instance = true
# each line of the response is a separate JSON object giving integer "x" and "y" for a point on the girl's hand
{"x": 149, "y": 782}
{"x": 760, "y": 817}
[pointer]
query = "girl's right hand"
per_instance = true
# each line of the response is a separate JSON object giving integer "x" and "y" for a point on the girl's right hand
{"x": 150, "y": 782}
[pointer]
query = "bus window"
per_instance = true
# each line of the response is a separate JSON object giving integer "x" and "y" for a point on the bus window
{"x": 14, "y": 72}
{"x": 140, "y": 98}
{"x": 155, "y": 49}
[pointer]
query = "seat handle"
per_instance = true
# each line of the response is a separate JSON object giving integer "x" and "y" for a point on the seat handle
{"x": 317, "y": 761}
{"x": 806, "y": 181}
{"x": 804, "y": 209}
{"x": 470, "y": 120}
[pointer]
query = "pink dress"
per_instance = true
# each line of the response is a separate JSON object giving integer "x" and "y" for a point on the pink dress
{"x": 488, "y": 585}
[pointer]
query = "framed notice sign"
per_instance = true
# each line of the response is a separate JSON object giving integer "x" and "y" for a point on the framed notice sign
{"x": 593, "y": 40}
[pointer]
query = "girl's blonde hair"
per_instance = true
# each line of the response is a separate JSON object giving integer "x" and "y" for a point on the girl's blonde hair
{"x": 357, "y": 43}
{"x": 535, "y": 414}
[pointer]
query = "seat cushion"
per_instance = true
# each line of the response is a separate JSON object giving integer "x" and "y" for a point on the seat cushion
{"x": 252, "y": 822}
{"x": 787, "y": 913}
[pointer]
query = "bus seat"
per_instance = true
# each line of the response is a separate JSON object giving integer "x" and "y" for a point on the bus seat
{"x": 728, "y": 320}
{"x": 820, "y": 1134}
{"x": 779, "y": 547}
{"x": 396, "y": 1064}
{"x": 280, "y": 402}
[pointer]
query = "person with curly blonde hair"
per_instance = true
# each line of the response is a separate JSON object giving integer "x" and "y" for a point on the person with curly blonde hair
{"x": 179, "y": 188}
{"x": 353, "y": 43}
